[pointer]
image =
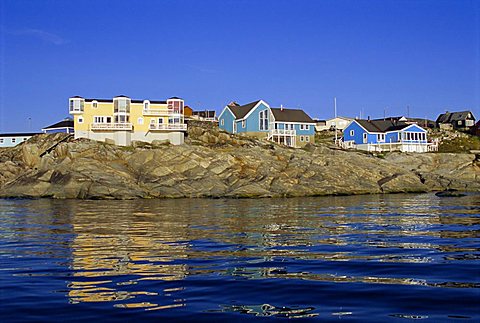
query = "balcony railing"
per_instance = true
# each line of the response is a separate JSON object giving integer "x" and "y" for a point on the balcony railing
{"x": 161, "y": 112}
{"x": 76, "y": 111}
{"x": 283, "y": 132}
{"x": 111, "y": 126}
{"x": 168, "y": 126}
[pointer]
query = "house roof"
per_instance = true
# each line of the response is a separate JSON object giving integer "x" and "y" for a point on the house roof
{"x": 132, "y": 100}
{"x": 382, "y": 125}
{"x": 67, "y": 123}
{"x": 240, "y": 111}
{"x": 449, "y": 117}
{"x": 20, "y": 134}
{"x": 291, "y": 115}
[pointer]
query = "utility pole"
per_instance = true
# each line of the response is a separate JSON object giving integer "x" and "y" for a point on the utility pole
{"x": 335, "y": 114}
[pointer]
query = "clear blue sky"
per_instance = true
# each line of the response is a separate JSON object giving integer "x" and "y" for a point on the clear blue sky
{"x": 372, "y": 55}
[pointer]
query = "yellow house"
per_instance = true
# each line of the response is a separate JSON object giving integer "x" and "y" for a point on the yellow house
{"x": 123, "y": 120}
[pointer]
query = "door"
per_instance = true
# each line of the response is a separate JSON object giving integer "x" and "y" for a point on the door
{"x": 365, "y": 138}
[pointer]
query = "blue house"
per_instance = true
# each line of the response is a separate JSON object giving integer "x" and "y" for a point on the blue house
{"x": 386, "y": 135}
{"x": 65, "y": 126}
{"x": 13, "y": 139}
{"x": 290, "y": 127}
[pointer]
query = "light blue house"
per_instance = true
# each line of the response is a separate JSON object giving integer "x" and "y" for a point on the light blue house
{"x": 13, "y": 139}
{"x": 386, "y": 135}
{"x": 291, "y": 127}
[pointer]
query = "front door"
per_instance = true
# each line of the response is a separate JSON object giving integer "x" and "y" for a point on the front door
{"x": 365, "y": 137}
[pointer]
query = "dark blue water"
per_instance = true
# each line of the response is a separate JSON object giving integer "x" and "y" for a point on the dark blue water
{"x": 359, "y": 258}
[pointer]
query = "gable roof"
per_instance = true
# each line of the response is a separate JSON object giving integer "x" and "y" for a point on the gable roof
{"x": 381, "y": 125}
{"x": 67, "y": 123}
{"x": 240, "y": 111}
{"x": 449, "y": 117}
{"x": 291, "y": 115}
{"x": 20, "y": 134}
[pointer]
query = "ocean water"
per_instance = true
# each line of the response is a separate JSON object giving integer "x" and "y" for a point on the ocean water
{"x": 353, "y": 258}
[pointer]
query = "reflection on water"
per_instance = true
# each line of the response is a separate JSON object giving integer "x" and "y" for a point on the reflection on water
{"x": 305, "y": 257}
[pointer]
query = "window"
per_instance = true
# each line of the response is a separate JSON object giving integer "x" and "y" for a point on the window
{"x": 121, "y": 105}
{"x": 80, "y": 120}
{"x": 222, "y": 122}
{"x": 263, "y": 118}
{"x": 352, "y": 133}
{"x": 301, "y": 138}
{"x": 243, "y": 123}
{"x": 307, "y": 127}
{"x": 97, "y": 119}
{"x": 1, "y": 140}
{"x": 380, "y": 137}
{"x": 76, "y": 105}
{"x": 14, "y": 140}
{"x": 302, "y": 127}
{"x": 94, "y": 104}
{"x": 146, "y": 105}
{"x": 24, "y": 139}
{"x": 140, "y": 120}
{"x": 307, "y": 139}
{"x": 459, "y": 122}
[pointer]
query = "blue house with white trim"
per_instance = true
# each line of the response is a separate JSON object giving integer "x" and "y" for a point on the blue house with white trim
{"x": 290, "y": 127}
{"x": 386, "y": 135}
{"x": 13, "y": 139}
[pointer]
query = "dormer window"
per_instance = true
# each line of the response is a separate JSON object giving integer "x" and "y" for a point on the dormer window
{"x": 94, "y": 104}
{"x": 146, "y": 105}
{"x": 121, "y": 105}
{"x": 76, "y": 105}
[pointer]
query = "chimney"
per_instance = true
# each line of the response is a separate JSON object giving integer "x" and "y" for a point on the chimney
{"x": 368, "y": 119}
{"x": 281, "y": 107}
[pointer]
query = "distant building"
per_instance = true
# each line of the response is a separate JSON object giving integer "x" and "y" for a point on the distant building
{"x": 187, "y": 111}
{"x": 122, "y": 119}
{"x": 338, "y": 122}
{"x": 475, "y": 130}
{"x": 462, "y": 120}
{"x": 386, "y": 135}
{"x": 290, "y": 127}
{"x": 65, "y": 126}
{"x": 13, "y": 139}
{"x": 205, "y": 115}
{"x": 320, "y": 125}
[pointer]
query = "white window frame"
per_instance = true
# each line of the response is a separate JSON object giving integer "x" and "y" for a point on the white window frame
{"x": 302, "y": 126}
{"x": 222, "y": 122}
{"x": 1, "y": 140}
{"x": 140, "y": 120}
{"x": 301, "y": 138}
{"x": 307, "y": 127}
{"x": 307, "y": 138}
{"x": 352, "y": 133}
{"x": 263, "y": 120}
{"x": 94, "y": 104}
{"x": 380, "y": 137}
{"x": 243, "y": 123}
{"x": 13, "y": 140}
{"x": 80, "y": 120}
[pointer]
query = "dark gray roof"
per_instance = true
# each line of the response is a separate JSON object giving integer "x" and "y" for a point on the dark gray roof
{"x": 67, "y": 123}
{"x": 132, "y": 100}
{"x": 240, "y": 111}
{"x": 19, "y": 134}
{"x": 382, "y": 125}
{"x": 291, "y": 115}
{"x": 450, "y": 117}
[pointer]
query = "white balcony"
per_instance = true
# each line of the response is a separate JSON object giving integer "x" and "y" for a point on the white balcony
{"x": 161, "y": 112}
{"x": 111, "y": 126}
{"x": 76, "y": 111}
{"x": 282, "y": 132}
{"x": 168, "y": 126}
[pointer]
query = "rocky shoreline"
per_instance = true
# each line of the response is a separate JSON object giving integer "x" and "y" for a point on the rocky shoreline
{"x": 214, "y": 164}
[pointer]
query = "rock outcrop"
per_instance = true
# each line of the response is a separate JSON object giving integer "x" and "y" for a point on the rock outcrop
{"x": 216, "y": 164}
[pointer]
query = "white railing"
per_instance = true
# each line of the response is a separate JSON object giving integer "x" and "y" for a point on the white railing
{"x": 282, "y": 132}
{"x": 111, "y": 126}
{"x": 168, "y": 126}
{"x": 76, "y": 111}
{"x": 161, "y": 112}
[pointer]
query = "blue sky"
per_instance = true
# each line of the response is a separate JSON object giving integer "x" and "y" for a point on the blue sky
{"x": 372, "y": 55}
